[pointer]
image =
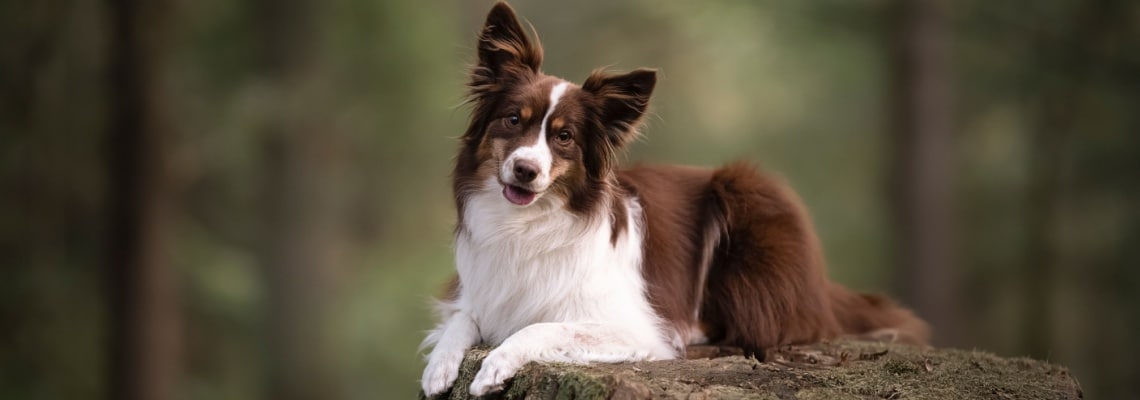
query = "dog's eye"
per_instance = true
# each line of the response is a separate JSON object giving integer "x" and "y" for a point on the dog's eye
{"x": 564, "y": 136}
{"x": 513, "y": 119}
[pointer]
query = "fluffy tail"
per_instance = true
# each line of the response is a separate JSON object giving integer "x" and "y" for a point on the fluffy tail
{"x": 876, "y": 317}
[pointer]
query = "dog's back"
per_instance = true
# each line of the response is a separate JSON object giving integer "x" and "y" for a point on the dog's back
{"x": 731, "y": 258}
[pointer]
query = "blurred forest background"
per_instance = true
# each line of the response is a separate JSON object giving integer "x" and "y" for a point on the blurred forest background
{"x": 250, "y": 199}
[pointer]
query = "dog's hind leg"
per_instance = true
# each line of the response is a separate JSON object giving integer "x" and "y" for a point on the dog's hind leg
{"x": 767, "y": 286}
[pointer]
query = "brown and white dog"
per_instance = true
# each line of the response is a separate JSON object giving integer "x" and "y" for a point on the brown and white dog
{"x": 562, "y": 256}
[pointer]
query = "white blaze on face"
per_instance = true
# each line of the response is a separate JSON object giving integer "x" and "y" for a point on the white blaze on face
{"x": 539, "y": 152}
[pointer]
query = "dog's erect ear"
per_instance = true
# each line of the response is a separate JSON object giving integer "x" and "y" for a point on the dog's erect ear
{"x": 504, "y": 45}
{"x": 622, "y": 100}
{"x": 506, "y": 55}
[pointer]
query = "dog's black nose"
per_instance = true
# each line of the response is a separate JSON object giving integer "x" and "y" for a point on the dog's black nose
{"x": 525, "y": 171}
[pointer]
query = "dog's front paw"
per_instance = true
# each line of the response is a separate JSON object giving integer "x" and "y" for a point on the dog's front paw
{"x": 497, "y": 368}
{"x": 441, "y": 371}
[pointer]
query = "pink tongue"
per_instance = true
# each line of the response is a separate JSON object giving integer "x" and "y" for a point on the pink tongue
{"x": 517, "y": 196}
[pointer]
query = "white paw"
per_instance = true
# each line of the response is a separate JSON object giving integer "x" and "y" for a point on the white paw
{"x": 441, "y": 371}
{"x": 497, "y": 368}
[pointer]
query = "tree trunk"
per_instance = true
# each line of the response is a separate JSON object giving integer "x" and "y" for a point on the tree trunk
{"x": 836, "y": 370}
{"x": 143, "y": 304}
{"x": 921, "y": 180}
{"x": 299, "y": 231}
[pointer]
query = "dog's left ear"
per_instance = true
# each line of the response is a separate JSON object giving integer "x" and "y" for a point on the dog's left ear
{"x": 622, "y": 101}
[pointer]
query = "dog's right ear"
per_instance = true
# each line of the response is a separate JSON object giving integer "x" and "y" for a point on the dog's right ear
{"x": 504, "y": 47}
{"x": 506, "y": 56}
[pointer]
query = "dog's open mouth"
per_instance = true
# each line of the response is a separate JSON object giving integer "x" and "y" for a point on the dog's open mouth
{"x": 518, "y": 195}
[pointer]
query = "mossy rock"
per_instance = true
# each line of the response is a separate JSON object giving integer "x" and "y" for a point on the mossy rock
{"x": 833, "y": 370}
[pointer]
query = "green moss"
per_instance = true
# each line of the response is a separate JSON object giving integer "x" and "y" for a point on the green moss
{"x": 899, "y": 367}
{"x": 571, "y": 383}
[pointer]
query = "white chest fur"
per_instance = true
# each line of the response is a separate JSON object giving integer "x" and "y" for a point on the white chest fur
{"x": 520, "y": 266}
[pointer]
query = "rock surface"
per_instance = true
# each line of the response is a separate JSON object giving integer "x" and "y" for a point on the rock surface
{"x": 840, "y": 369}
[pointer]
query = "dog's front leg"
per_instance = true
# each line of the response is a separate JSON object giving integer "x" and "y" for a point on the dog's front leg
{"x": 569, "y": 342}
{"x": 452, "y": 338}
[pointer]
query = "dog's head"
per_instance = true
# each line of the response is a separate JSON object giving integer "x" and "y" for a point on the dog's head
{"x": 534, "y": 136}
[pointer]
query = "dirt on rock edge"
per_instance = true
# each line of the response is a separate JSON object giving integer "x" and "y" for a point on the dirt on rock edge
{"x": 839, "y": 369}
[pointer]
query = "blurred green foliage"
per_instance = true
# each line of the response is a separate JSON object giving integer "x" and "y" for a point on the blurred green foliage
{"x": 797, "y": 87}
